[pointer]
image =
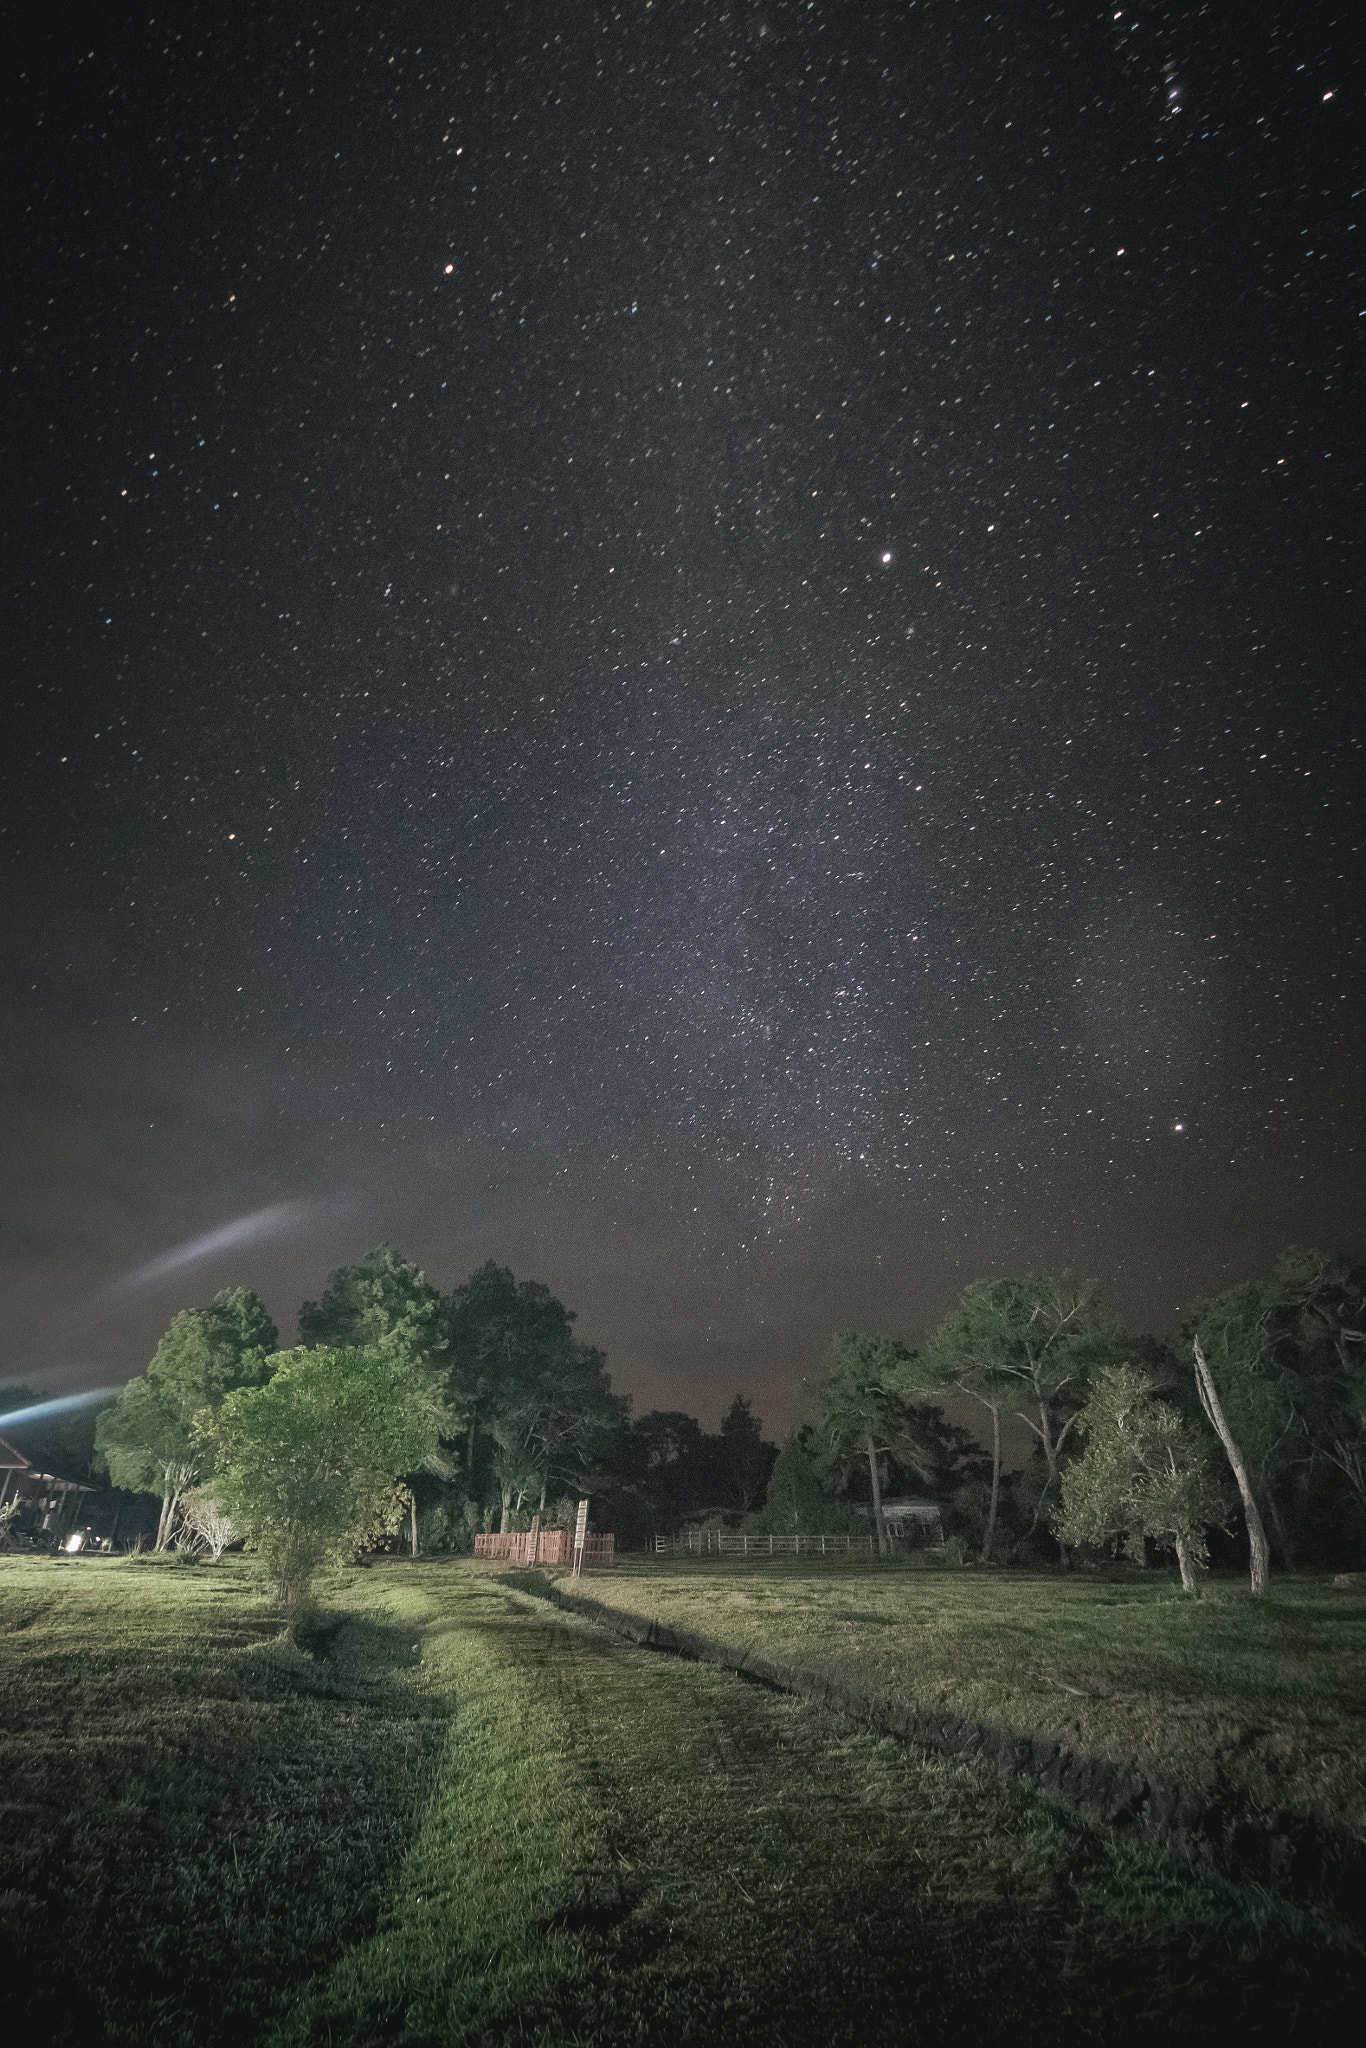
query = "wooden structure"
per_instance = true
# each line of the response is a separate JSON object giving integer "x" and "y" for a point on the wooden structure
{"x": 914, "y": 1522}
{"x": 547, "y": 1546}
{"x": 49, "y": 1504}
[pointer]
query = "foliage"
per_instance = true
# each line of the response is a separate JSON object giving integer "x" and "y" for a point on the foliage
{"x": 744, "y": 1461}
{"x": 862, "y": 1411}
{"x": 205, "y": 1522}
{"x": 1287, "y": 1355}
{"x": 798, "y": 1500}
{"x": 1144, "y": 1472}
{"x": 535, "y": 1400}
{"x": 381, "y": 1298}
{"x": 1023, "y": 1347}
{"x": 314, "y": 1457}
{"x": 159, "y": 1435}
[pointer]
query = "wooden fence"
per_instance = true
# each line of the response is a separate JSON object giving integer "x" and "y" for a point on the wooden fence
{"x": 547, "y": 1546}
{"x": 726, "y": 1543}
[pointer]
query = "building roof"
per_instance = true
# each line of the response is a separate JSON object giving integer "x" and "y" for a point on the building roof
{"x": 10, "y": 1459}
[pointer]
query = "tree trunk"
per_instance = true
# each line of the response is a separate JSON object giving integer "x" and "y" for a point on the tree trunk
{"x": 1256, "y": 1534}
{"x": 878, "y": 1522}
{"x": 990, "y": 1536}
{"x": 163, "y": 1523}
{"x": 507, "y": 1511}
{"x": 1183, "y": 1558}
{"x": 412, "y": 1501}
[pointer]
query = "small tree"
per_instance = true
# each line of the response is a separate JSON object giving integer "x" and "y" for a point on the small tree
{"x": 209, "y": 1527}
{"x": 314, "y": 1457}
{"x": 1144, "y": 1472}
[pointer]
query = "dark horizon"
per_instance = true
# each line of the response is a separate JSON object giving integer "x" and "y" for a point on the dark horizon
{"x": 716, "y": 656}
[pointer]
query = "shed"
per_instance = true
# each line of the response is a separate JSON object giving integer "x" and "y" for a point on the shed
{"x": 914, "y": 1521}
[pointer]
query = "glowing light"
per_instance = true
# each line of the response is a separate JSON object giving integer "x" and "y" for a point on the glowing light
{"x": 39, "y": 1409}
{"x": 278, "y": 1220}
{"x": 886, "y": 558}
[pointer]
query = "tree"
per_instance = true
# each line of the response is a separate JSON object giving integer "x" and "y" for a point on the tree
{"x": 1144, "y": 1472}
{"x": 797, "y": 1501}
{"x": 1258, "y": 1551}
{"x": 503, "y": 1336}
{"x": 203, "y": 1516}
{"x": 158, "y": 1436}
{"x": 1314, "y": 1311}
{"x": 744, "y": 1460}
{"x": 1023, "y": 1347}
{"x": 148, "y": 1443}
{"x": 315, "y": 1457}
{"x": 861, "y": 1410}
{"x": 525, "y": 1383}
{"x": 382, "y": 1298}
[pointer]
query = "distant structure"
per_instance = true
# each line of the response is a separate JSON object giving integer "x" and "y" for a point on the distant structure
{"x": 914, "y": 1522}
{"x": 48, "y": 1506}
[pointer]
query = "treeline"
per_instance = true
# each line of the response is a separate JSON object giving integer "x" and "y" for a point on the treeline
{"x": 504, "y": 1414}
{"x": 410, "y": 1415}
{"x": 1250, "y": 1430}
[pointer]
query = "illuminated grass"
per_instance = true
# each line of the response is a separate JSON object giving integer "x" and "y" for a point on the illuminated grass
{"x": 627, "y": 1847}
{"x": 195, "y": 1816}
{"x": 532, "y": 1831}
{"x": 1261, "y": 1700}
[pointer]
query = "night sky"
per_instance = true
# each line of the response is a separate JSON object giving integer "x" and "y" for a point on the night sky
{"x": 713, "y": 652}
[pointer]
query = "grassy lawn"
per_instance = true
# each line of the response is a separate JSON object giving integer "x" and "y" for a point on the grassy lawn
{"x": 194, "y": 1816}
{"x": 1265, "y": 1698}
{"x": 468, "y": 1817}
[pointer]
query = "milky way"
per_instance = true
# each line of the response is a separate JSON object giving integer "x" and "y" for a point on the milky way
{"x": 738, "y": 622}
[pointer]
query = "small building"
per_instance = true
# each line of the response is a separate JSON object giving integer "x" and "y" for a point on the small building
{"x": 49, "y": 1506}
{"x": 914, "y": 1523}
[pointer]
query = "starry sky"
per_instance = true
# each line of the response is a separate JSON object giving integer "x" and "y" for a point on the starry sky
{"x": 713, "y": 651}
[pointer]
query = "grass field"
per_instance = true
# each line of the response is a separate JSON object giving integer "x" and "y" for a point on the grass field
{"x": 468, "y": 1817}
{"x": 1265, "y": 1699}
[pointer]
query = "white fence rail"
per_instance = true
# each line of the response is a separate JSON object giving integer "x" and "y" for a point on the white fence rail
{"x": 727, "y": 1543}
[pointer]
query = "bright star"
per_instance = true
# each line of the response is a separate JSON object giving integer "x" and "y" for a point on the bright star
{"x": 886, "y": 558}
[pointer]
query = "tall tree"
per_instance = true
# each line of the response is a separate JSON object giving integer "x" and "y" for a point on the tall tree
{"x": 1024, "y": 1347}
{"x": 1259, "y": 1555}
{"x": 745, "y": 1460}
{"x": 158, "y": 1436}
{"x": 524, "y": 1381}
{"x": 862, "y": 1410}
{"x": 1284, "y": 1354}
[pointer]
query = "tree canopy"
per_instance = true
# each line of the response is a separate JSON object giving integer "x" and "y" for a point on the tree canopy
{"x": 862, "y": 1409}
{"x": 159, "y": 1435}
{"x": 1145, "y": 1472}
{"x": 312, "y": 1459}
